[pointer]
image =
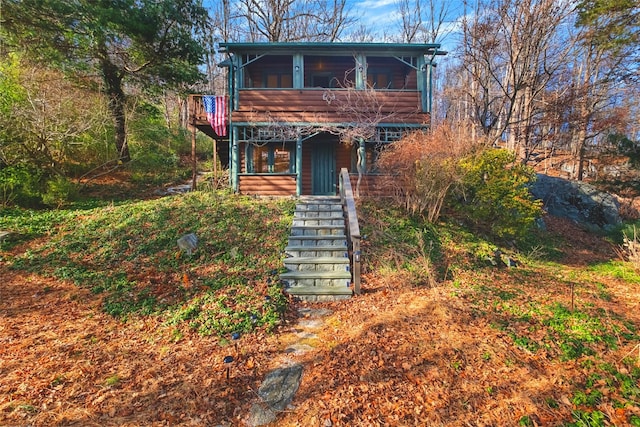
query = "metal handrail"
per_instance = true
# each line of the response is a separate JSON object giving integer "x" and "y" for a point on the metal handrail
{"x": 353, "y": 228}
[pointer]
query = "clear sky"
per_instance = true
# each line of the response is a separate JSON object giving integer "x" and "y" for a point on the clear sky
{"x": 383, "y": 17}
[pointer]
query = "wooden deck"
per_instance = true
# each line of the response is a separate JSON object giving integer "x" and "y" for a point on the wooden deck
{"x": 320, "y": 106}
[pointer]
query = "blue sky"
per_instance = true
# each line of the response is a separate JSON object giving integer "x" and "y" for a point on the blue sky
{"x": 382, "y": 15}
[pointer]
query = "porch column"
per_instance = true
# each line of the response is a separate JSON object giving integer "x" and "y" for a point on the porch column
{"x": 361, "y": 71}
{"x": 235, "y": 160}
{"x": 299, "y": 165}
{"x": 298, "y": 71}
{"x": 422, "y": 83}
{"x": 429, "y": 86}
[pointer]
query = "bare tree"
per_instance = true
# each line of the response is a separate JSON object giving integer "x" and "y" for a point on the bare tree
{"x": 54, "y": 124}
{"x": 361, "y": 34}
{"x": 294, "y": 20}
{"x": 422, "y": 21}
{"x": 410, "y": 20}
{"x": 591, "y": 104}
{"x": 511, "y": 50}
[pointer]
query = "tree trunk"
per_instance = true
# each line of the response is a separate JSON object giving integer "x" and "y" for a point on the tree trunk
{"x": 113, "y": 87}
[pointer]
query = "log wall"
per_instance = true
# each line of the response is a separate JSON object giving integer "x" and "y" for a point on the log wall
{"x": 371, "y": 185}
{"x": 268, "y": 184}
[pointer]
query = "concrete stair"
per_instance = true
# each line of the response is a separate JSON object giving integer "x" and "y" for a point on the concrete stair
{"x": 317, "y": 254}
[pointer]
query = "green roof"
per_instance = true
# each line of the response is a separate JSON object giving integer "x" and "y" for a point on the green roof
{"x": 334, "y": 49}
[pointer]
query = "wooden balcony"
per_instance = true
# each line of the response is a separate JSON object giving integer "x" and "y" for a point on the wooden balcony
{"x": 321, "y": 106}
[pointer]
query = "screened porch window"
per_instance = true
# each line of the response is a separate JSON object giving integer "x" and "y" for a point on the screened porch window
{"x": 277, "y": 80}
{"x": 268, "y": 71}
{"x": 379, "y": 79}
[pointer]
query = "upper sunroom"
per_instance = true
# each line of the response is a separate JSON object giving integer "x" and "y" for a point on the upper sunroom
{"x": 378, "y": 66}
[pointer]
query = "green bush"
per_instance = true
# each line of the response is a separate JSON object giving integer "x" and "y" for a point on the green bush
{"x": 494, "y": 194}
{"x": 20, "y": 185}
{"x": 59, "y": 191}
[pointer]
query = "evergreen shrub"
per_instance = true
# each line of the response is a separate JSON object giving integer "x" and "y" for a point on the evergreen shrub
{"x": 494, "y": 194}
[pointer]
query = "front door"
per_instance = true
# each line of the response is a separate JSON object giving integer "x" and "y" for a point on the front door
{"x": 323, "y": 169}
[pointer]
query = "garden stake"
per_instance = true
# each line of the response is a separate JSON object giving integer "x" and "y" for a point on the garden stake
{"x": 572, "y": 295}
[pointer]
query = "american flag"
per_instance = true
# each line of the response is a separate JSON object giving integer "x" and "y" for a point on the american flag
{"x": 216, "y": 109}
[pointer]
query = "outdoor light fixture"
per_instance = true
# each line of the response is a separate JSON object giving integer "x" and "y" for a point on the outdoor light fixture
{"x": 235, "y": 337}
{"x": 228, "y": 360}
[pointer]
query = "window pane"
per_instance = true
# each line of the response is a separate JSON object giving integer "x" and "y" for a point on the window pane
{"x": 321, "y": 81}
{"x": 260, "y": 160}
{"x": 282, "y": 160}
{"x": 272, "y": 81}
{"x": 287, "y": 81}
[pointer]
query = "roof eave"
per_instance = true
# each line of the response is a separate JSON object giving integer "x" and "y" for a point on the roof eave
{"x": 333, "y": 48}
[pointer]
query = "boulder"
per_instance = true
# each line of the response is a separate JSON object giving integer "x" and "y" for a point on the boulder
{"x": 578, "y": 201}
{"x": 276, "y": 392}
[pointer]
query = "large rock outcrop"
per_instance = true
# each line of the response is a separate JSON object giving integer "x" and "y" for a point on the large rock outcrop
{"x": 579, "y": 201}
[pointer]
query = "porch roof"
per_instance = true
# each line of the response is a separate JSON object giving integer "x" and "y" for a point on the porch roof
{"x": 334, "y": 49}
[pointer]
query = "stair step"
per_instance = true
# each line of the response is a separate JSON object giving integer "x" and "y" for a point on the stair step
{"x": 314, "y": 290}
{"x": 315, "y": 199}
{"x": 312, "y": 222}
{"x": 319, "y": 279}
{"x": 319, "y": 208}
{"x": 317, "y": 230}
{"x": 317, "y": 263}
{"x": 318, "y": 242}
{"x": 316, "y": 275}
{"x": 327, "y": 237}
{"x": 319, "y": 214}
{"x": 311, "y": 251}
{"x": 336, "y": 247}
{"x": 317, "y": 260}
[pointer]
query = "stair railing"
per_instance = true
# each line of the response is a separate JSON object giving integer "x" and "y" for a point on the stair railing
{"x": 353, "y": 229}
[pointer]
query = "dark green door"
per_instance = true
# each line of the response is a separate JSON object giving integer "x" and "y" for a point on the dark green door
{"x": 323, "y": 169}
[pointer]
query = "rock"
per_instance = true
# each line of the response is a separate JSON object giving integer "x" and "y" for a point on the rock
{"x": 179, "y": 189}
{"x": 277, "y": 391}
{"x": 314, "y": 312}
{"x": 260, "y": 415}
{"x": 188, "y": 243}
{"x": 298, "y": 349}
{"x": 578, "y": 201}
{"x": 280, "y": 386}
{"x": 310, "y": 323}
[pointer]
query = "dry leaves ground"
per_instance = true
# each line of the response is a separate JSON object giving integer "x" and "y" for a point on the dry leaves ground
{"x": 478, "y": 349}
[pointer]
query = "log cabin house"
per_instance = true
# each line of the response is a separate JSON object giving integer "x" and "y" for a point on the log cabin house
{"x": 297, "y": 113}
